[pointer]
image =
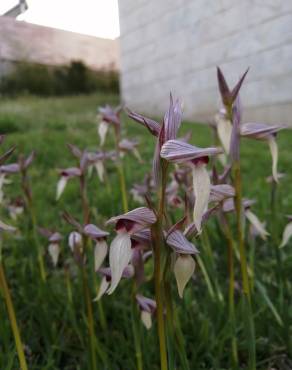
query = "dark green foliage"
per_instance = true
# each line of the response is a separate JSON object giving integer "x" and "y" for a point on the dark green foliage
{"x": 35, "y": 79}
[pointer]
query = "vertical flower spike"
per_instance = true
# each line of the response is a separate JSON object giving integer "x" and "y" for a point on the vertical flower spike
{"x": 259, "y": 227}
{"x": 184, "y": 268}
{"x": 287, "y": 233}
{"x": 167, "y": 131}
{"x": 180, "y": 152}
{"x": 261, "y": 131}
{"x": 101, "y": 248}
{"x": 121, "y": 249}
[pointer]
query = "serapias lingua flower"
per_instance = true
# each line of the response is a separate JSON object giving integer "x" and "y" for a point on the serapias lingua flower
{"x": 121, "y": 247}
{"x": 181, "y": 152}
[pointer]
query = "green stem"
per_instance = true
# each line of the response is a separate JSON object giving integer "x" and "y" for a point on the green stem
{"x": 282, "y": 281}
{"x": 231, "y": 305}
{"x": 158, "y": 249}
{"x": 12, "y": 318}
{"x": 37, "y": 243}
{"x": 90, "y": 322}
{"x": 136, "y": 329}
{"x": 249, "y": 323}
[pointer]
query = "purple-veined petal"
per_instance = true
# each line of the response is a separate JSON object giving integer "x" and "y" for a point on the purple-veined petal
{"x": 259, "y": 131}
{"x": 110, "y": 115}
{"x": 179, "y": 243}
{"x": 10, "y": 168}
{"x": 54, "y": 251}
{"x": 234, "y": 150}
{"x": 220, "y": 192}
{"x": 119, "y": 257}
{"x": 143, "y": 237}
{"x": 172, "y": 120}
{"x": 139, "y": 218}
{"x": 102, "y": 131}
{"x": 55, "y": 237}
{"x": 184, "y": 268}
{"x": 228, "y": 204}
{"x": 153, "y": 126}
{"x": 146, "y": 304}
{"x": 61, "y": 185}
{"x": 94, "y": 232}
{"x": 102, "y": 288}
{"x": 191, "y": 229}
{"x": 287, "y": 233}
{"x": 256, "y": 224}
{"x": 70, "y": 172}
{"x": 274, "y": 153}
{"x": 100, "y": 252}
{"x": 201, "y": 188}
{"x": 180, "y": 151}
{"x": 77, "y": 153}
{"x": 228, "y": 96}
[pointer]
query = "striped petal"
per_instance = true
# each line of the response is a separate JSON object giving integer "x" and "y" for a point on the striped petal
{"x": 184, "y": 268}
{"x": 179, "y": 243}
{"x": 286, "y": 234}
{"x": 119, "y": 257}
{"x": 94, "y": 232}
{"x": 179, "y": 151}
{"x": 172, "y": 120}
{"x": 201, "y": 188}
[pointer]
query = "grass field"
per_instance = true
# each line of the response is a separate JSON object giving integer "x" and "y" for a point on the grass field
{"x": 52, "y": 328}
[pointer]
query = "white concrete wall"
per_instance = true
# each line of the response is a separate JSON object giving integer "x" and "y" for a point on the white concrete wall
{"x": 175, "y": 45}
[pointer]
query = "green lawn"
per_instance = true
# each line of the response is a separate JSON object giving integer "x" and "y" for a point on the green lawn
{"x": 51, "y": 328}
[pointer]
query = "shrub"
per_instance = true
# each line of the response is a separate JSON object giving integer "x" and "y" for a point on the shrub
{"x": 77, "y": 78}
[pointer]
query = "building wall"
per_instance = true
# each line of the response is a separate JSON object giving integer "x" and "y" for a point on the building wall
{"x": 22, "y": 41}
{"x": 175, "y": 45}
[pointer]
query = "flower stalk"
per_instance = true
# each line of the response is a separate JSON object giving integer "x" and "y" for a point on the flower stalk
{"x": 12, "y": 318}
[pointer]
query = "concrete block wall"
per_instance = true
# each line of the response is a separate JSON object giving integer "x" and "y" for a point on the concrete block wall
{"x": 175, "y": 45}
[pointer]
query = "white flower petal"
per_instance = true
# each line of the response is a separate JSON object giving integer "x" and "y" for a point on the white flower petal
{"x": 119, "y": 256}
{"x": 61, "y": 186}
{"x": 54, "y": 251}
{"x": 274, "y": 152}
{"x": 100, "y": 252}
{"x": 146, "y": 319}
{"x": 224, "y": 129}
{"x": 102, "y": 131}
{"x": 201, "y": 187}
{"x": 102, "y": 289}
{"x": 286, "y": 234}
{"x": 5, "y": 227}
{"x": 100, "y": 170}
{"x": 184, "y": 268}
{"x": 75, "y": 239}
{"x": 256, "y": 224}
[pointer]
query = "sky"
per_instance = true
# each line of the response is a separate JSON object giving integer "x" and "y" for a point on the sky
{"x": 92, "y": 17}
